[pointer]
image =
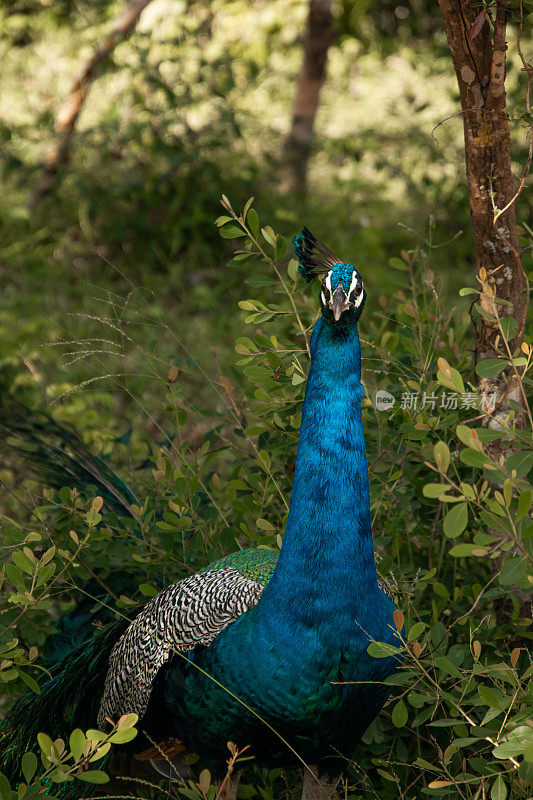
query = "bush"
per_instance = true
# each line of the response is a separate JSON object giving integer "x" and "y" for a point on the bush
{"x": 450, "y": 521}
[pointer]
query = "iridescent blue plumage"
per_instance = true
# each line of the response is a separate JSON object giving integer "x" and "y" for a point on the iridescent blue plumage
{"x": 299, "y": 657}
{"x": 293, "y": 666}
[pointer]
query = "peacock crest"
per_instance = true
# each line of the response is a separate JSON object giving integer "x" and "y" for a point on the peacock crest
{"x": 314, "y": 257}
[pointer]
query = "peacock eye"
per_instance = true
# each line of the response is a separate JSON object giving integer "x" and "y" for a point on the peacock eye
{"x": 325, "y": 293}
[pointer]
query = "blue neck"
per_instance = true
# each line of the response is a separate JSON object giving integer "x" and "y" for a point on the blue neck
{"x": 327, "y": 558}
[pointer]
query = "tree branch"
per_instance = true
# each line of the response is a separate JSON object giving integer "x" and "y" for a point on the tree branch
{"x": 297, "y": 145}
{"x": 67, "y": 116}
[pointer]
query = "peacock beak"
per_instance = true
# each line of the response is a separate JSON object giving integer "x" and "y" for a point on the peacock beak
{"x": 339, "y": 302}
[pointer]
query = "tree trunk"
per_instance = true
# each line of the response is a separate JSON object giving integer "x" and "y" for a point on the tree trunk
{"x": 297, "y": 145}
{"x": 479, "y": 54}
{"x": 58, "y": 154}
{"x": 479, "y": 62}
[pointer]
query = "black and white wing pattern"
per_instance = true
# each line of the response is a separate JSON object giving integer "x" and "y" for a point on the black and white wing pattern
{"x": 189, "y": 613}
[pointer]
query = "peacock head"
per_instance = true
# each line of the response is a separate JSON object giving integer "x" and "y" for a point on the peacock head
{"x": 342, "y": 295}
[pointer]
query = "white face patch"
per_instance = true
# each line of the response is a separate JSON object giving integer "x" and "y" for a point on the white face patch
{"x": 353, "y": 284}
{"x": 328, "y": 281}
{"x": 323, "y": 296}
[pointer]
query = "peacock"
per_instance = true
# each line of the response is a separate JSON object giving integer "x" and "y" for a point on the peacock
{"x": 264, "y": 649}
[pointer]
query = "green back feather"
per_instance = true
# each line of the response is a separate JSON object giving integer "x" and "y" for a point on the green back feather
{"x": 255, "y": 563}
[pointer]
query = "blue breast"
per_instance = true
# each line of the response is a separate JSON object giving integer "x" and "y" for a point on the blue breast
{"x": 300, "y": 680}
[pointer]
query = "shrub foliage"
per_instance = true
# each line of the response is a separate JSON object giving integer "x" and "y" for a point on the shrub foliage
{"x": 451, "y": 525}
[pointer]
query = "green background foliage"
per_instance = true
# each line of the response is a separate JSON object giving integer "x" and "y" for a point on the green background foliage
{"x": 120, "y": 306}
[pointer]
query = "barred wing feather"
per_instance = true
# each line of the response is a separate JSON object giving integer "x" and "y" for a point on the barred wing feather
{"x": 192, "y": 612}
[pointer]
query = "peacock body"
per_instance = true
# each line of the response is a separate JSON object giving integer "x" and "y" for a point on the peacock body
{"x": 262, "y": 649}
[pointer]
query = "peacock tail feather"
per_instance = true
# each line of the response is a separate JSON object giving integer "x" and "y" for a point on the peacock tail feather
{"x": 112, "y": 673}
{"x": 57, "y": 456}
{"x": 68, "y": 700}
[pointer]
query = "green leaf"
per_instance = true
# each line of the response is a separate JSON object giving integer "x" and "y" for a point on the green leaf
{"x": 434, "y": 489}
{"x": 23, "y": 562}
{"x": 166, "y": 526}
{"x": 264, "y": 525}
{"x": 263, "y": 459}
{"x": 515, "y": 743}
{"x": 499, "y": 789}
{"x": 456, "y": 520}
{"x": 421, "y": 762}
{"x": 127, "y": 721}
{"x": 105, "y": 748}
{"x": 281, "y": 246}
{"x": 452, "y": 380}
{"x": 473, "y": 458}
{"x": 222, "y": 221}
{"x": 269, "y": 235}
{"x": 415, "y": 631}
{"x": 489, "y": 697}
{"x": 521, "y": 462}
{"x": 45, "y": 743}
{"x": 121, "y": 737}
{"x": 467, "y": 435}
{"x": 247, "y": 206}
{"x": 184, "y": 524}
{"x": 383, "y": 773}
{"x": 58, "y": 776}
{"x": 45, "y": 573}
{"x": 509, "y": 327}
{"x": 524, "y": 503}
{"x": 77, "y": 743}
{"x": 441, "y": 453}
{"x": 231, "y": 232}
{"x": 93, "y": 776}
{"x": 292, "y": 269}
{"x": 258, "y": 281}
{"x": 244, "y": 258}
{"x": 92, "y": 518}
{"x": 512, "y": 571}
{"x": 399, "y": 714}
{"x": 30, "y": 682}
{"x": 382, "y": 650}
{"x": 5, "y": 788}
{"x": 486, "y": 435}
{"x": 465, "y": 550}
{"x": 148, "y": 590}
{"x": 397, "y": 263}
{"x": 29, "y": 766}
{"x": 253, "y": 222}
{"x": 525, "y": 771}
{"x": 490, "y": 367}
{"x": 95, "y": 736}
{"x": 466, "y": 290}
{"x": 447, "y": 666}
